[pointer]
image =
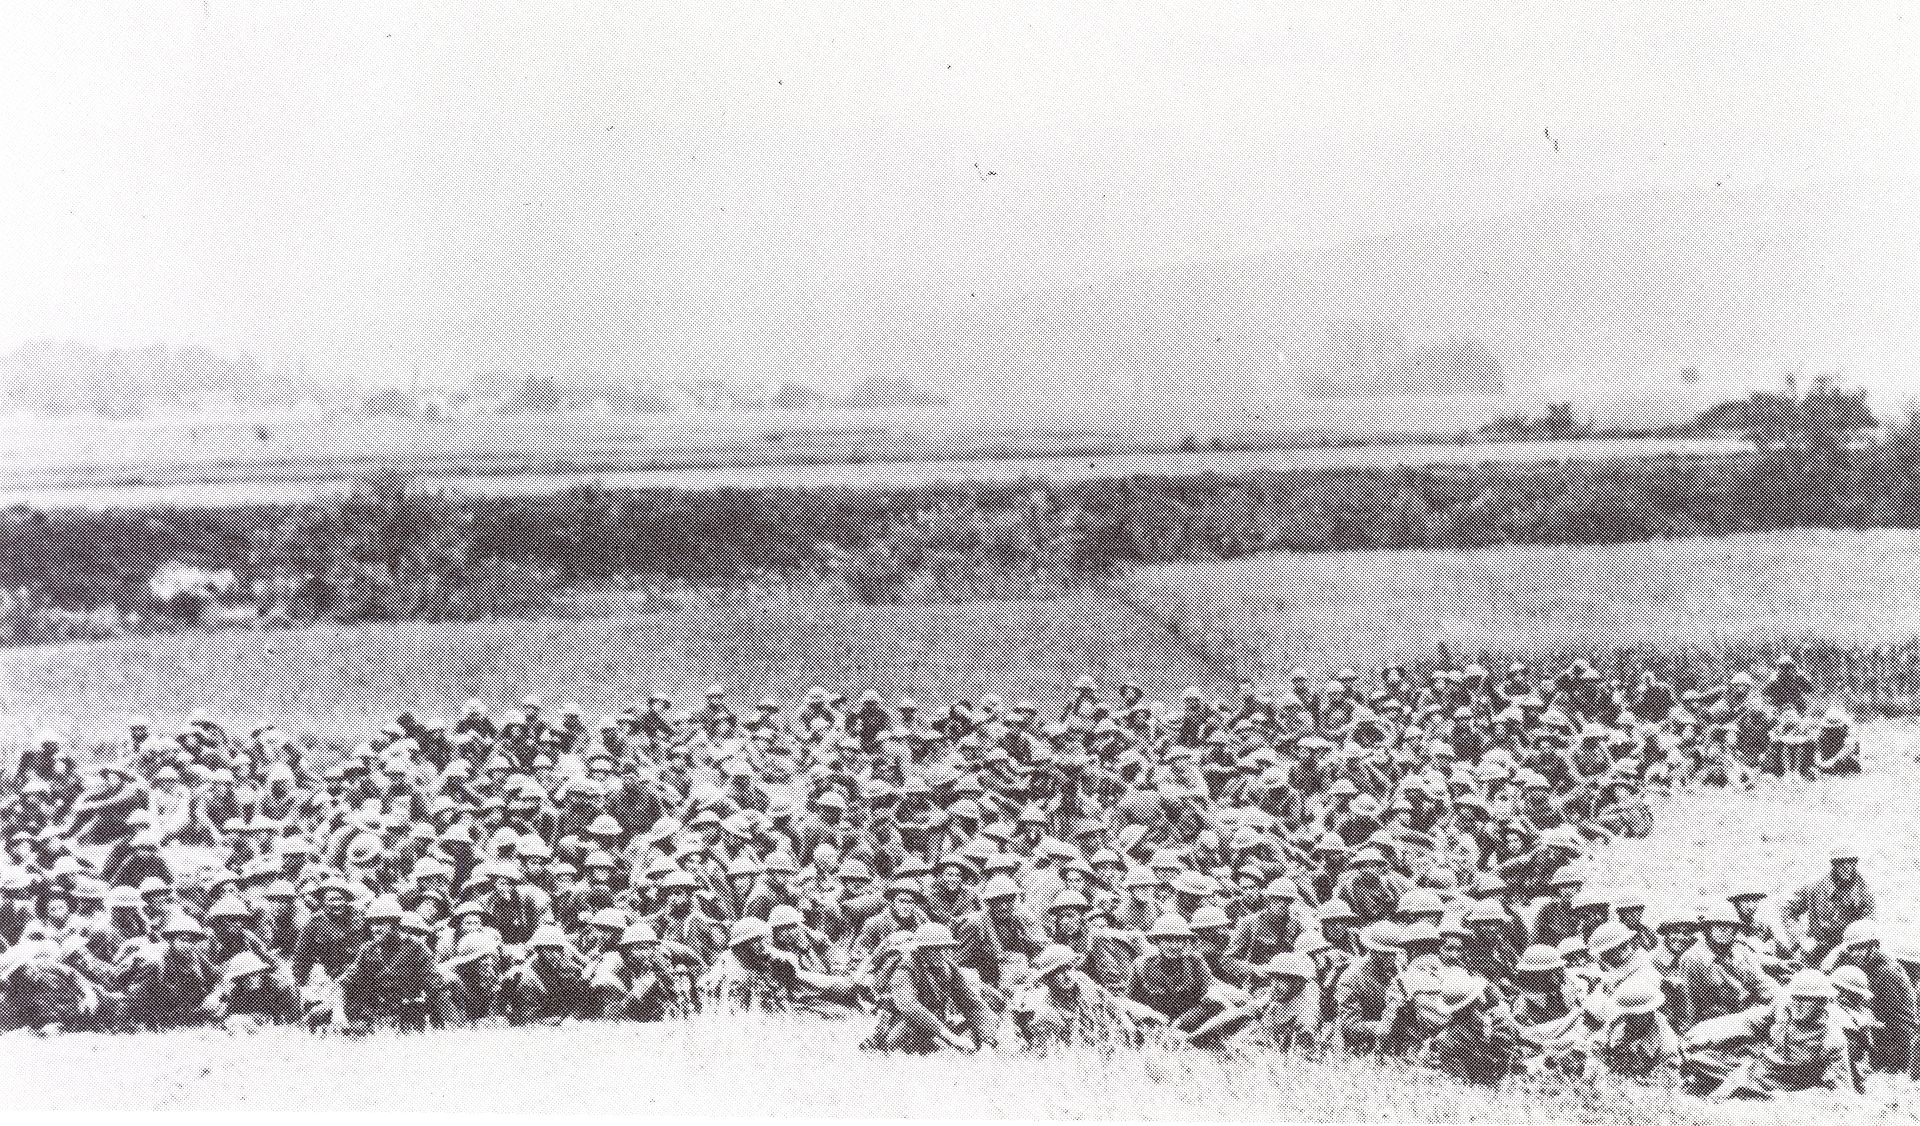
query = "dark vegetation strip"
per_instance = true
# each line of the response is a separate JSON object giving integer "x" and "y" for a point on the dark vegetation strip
{"x": 387, "y": 552}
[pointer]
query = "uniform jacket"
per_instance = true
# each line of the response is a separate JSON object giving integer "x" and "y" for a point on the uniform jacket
{"x": 1169, "y": 986}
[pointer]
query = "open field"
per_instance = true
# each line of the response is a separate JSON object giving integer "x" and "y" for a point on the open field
{"x": 856, "y": 465}
{"x": 1852, "y": 587}
{"x": 87, "y": 445}
{"x": 1209, "y": 624}
{"x": 766, "y": 1067}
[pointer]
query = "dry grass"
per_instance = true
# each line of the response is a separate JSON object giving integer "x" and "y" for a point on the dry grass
{"x": 341, "y": 681}
{"x": 1850, "y": 587}
{"x": 218, "y": 445}
{"x": 758, "y": 1067}
{"x": 1777, "y": 836}
{"x": 1201, "y": 623}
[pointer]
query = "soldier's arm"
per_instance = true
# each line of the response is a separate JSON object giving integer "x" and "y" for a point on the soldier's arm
{"x": 352, "y": 997}
{"x": 907, "y": 1006}
{"x": 1796, "y": 904}
{"x": 1241, "y": 945}
{"x": 1231, "y": 1016}
{"x": 1396, "y": 1006}
{"x": 1729, "y": 1029}
{"x": 304, "y": 956}
{"x": 1517, "y": 869}
{"x": 1347, "y": 1002}
{"x": 981, "y": 1020}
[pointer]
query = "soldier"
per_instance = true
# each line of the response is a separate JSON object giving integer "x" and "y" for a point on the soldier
{"x": 1284, "y": 1010}
{"x": 1062, "y": 1005}
{"x": 1411, "y": 1015}
{"x": 932, "y": 1001}
{"x": 1475, "y": 1040}
{"x": 168, "y": 986}
{"x": 998, "y": 941}
{"x": 682, "y": 920}
{"x": 1142, "y": 907}
{"x": 393, "y": 979}
{"x": 332, "y": 937}
{"x": 1555, "y": 921}
{"x": 1274, "y": 929}
{"x": 714, "y": 715}
{"x": 601, "y": 932}
{"x": 1788, "y": 687}
{"x": 1676, "y": 937}
{"x": 1100, "y": 952}
{"x": 1718, "y": 976}
{"x": 251, "y": 994}
{"x": 775, "y": 885}
{"x": 645, "y": 979}
{"x": 232, "y": 924}
{"x": 103, "y": 816}
{"x": 1890, "y": 990}
{"x": 548, "y": 986}
{"x": 1362, "y": 991}
{"x": 1212, "y": 932}
{"x": 515, "y": 908}
{"x": 1797, "y": 1044}
{"x": 1853, "y": 1002}
{"x": 1541, "y": 999}
{"x": 905, "y": 911}
{"x": 750, "y": 974}
{"x": 1369, "y": 887}
{"x": 1486, "y": 950}
{"x": 1636, "y": 1040}
{"x": 1820, "y": 912}
{"x": 1835, "y": 748}
{"x": 1173, "y": 979}
{"x": 39, "y": 991}
{"x": 950, "y": 897}
{"x": 471, "y": 973}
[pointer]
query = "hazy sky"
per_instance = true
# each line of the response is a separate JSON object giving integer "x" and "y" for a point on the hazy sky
{"x": 330, "y": 176}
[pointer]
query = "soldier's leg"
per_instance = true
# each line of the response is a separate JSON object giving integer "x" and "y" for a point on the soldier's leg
{"x": 1890, "y": 1050}
{"x": 610, "y": 1002}
{"x": 1198, "y": 1015}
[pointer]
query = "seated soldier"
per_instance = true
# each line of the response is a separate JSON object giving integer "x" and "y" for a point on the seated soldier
{"x": 1636, "y": 1040}
{"x": 550, "y": 985}
{"x": 1284, "y": 1010}
{"x": 643, "y": 978}
{"x": 1173, "y": 982}
{"x": 168, "y": 986}
{"x": 39, "y": 991}
{"x": 935, "y": 1005}
{"x": 393, "y": 979}
{"x": 1061, "y": 1004}
{"x": 1796, "y": 1044}
{"x": 1476, "y": 1039}
{"x": 253, "y": 994}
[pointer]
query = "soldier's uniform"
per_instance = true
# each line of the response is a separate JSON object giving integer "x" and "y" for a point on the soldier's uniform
{"x": 392, "y": 980}
{"x": 927, "y": 1000}
{"x": 169, "y": 987}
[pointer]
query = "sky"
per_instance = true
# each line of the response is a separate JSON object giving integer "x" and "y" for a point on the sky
{"x": 458, "y": 184}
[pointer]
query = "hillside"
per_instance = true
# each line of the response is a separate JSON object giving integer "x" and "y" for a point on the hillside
{"x": 1602, "y": 300}
{"x": 1590, "y": 298}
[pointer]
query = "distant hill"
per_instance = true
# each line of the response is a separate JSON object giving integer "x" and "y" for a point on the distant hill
{"x": 1600, "y": 300}
{"x": 1609, "y": 296}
